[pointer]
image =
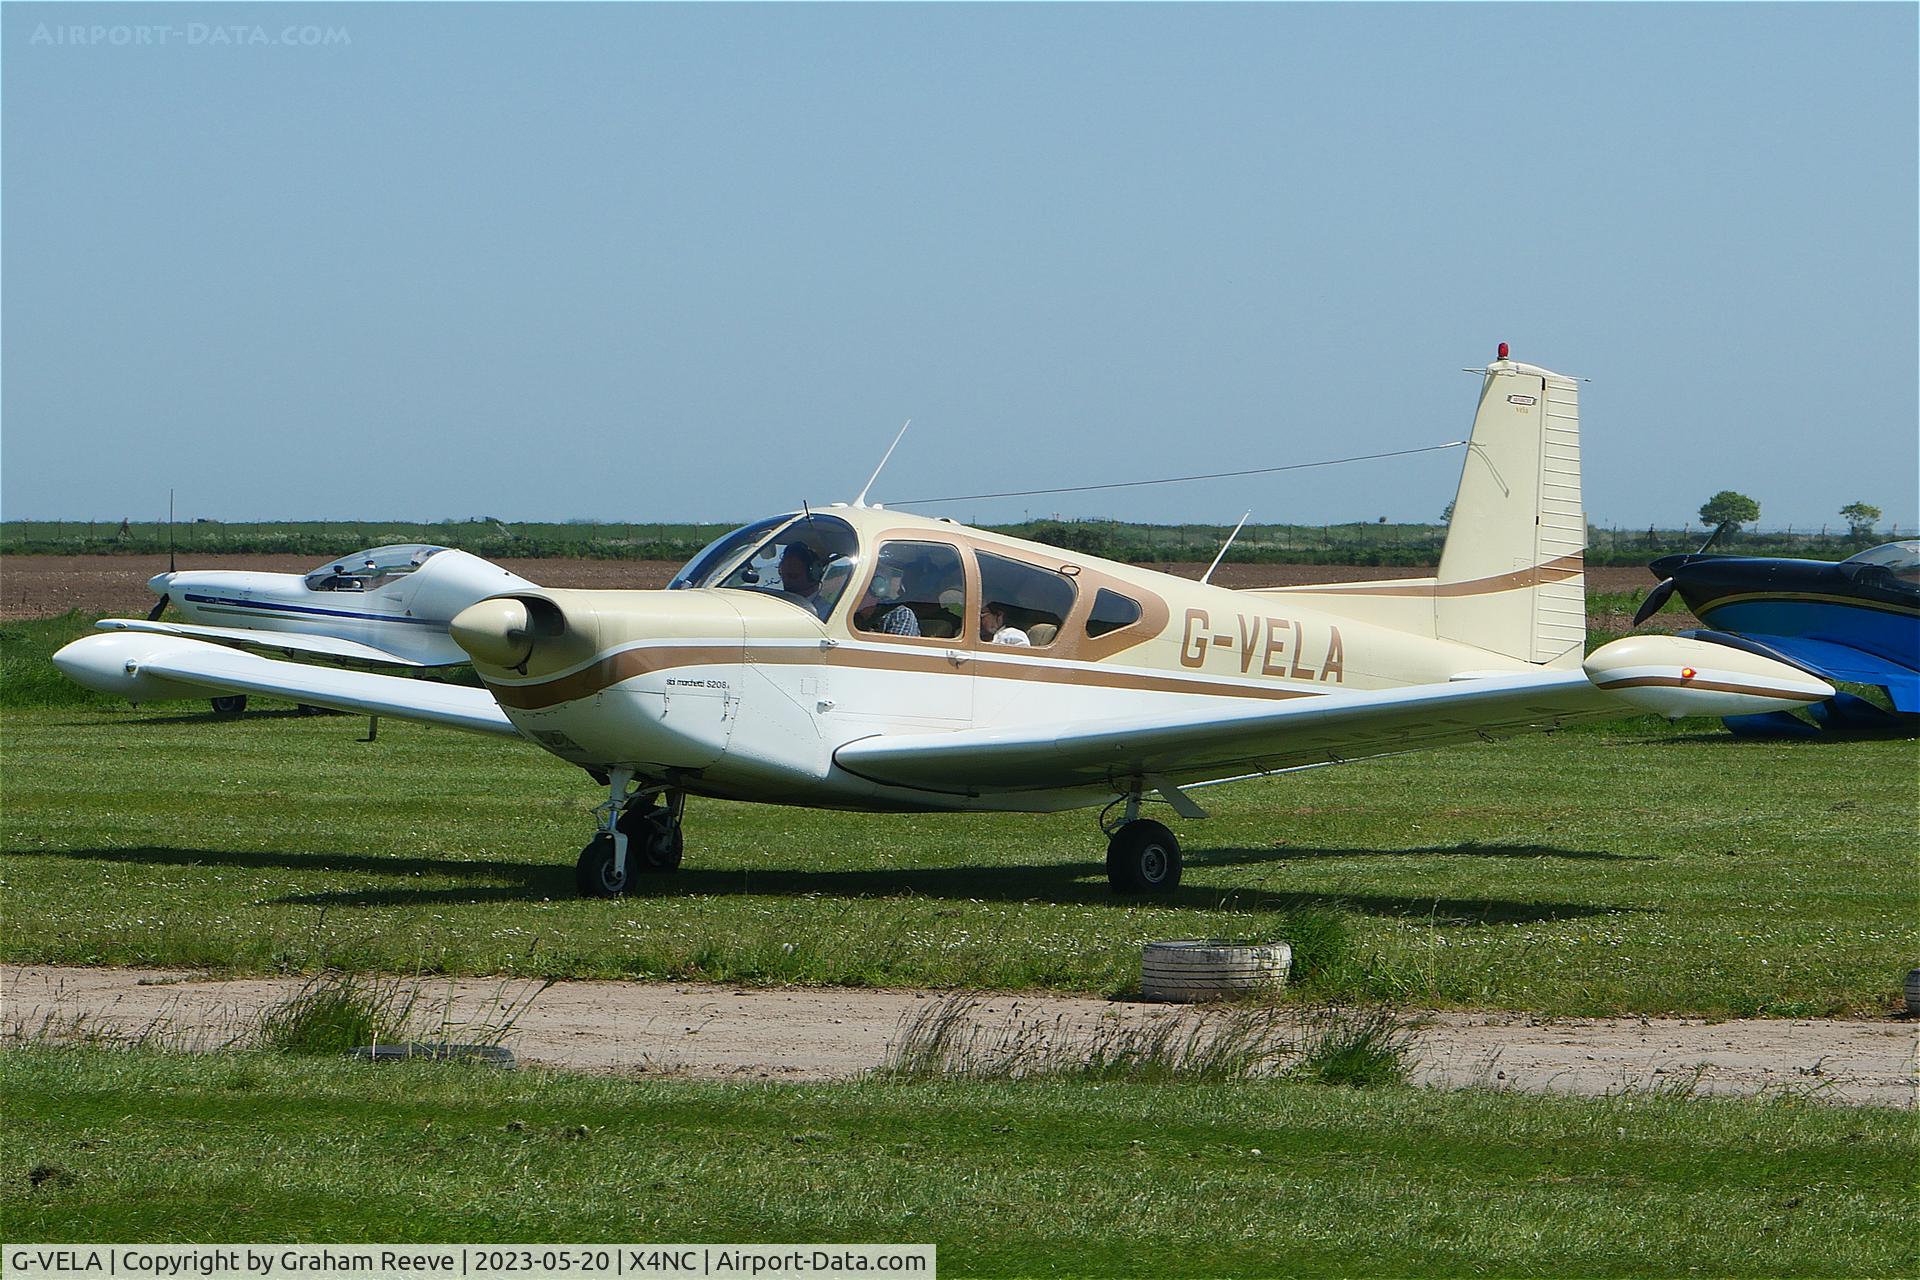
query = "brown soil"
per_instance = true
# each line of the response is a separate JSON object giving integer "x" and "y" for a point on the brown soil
{"x": 45, "y": 586}
{"x": 802, "y": 1033}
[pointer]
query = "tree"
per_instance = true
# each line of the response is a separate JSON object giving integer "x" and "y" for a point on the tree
{"x": 1860, "y": 519}
{"x": 1729, "y": 508}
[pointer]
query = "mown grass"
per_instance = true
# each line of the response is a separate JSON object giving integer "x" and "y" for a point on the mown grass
{"x": 1633, "y": 869}
{"x": 1007, "y": 1178}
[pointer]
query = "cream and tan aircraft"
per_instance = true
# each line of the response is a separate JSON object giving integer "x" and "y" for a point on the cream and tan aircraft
{"x": 864, "y": 659}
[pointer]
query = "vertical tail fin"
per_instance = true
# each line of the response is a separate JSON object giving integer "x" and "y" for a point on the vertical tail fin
{"x": 1512, "y": 577}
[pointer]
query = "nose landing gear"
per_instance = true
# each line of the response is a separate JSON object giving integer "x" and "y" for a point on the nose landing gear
{"x": 638, "y": 834}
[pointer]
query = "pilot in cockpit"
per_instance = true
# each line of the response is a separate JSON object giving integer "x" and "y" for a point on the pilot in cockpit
{"x": 800, "y": 573}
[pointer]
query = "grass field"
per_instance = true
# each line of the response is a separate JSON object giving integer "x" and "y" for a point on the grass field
{"x": 1007, "y": 1178}
{"x": 1635, "y": 869}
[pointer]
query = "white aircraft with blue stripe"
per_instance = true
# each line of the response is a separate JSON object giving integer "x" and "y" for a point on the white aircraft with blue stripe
{"x": 383, "y": 607}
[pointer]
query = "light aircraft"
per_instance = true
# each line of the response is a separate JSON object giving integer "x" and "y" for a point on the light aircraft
{"x": 835, "y": 658}
{"x": 383, "y": 607}
{"x": 1856, "y": 621}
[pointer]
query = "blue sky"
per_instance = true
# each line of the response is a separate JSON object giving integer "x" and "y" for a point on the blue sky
{"x": 664, "y": 262}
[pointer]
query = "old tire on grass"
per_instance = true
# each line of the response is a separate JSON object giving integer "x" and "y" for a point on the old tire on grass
{"x": 1913, "y": 991}
{"x": 1212, "y": 970}
{"x": 1143, "y": 857}
{"x": 491, "y": 1055}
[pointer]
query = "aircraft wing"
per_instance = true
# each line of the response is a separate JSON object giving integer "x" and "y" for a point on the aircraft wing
{"x": 144, "y": 667}
{"x": 289, "y": 642}
{"x": 1844, "y": 662}
{"x": 1210, "y": 743}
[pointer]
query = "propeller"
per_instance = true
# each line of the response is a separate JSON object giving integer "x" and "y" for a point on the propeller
{"x": 153, "y": 614}
{"x": 1655, "y": 601}
{"x": 1658, "y": 597}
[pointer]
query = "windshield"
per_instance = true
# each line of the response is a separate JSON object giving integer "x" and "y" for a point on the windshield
{"x": 365, "y": 570}
{"x": 719, "y": 554}
{"x": 806, "y": 560}
{"x": 1892, "y": 564}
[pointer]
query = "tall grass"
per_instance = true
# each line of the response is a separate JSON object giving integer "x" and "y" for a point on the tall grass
{"x": 954, "y": 1037}
{"x": 337, "y": 1012}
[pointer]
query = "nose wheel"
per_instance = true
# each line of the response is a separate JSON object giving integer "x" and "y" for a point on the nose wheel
{"x": 639, "y": 835}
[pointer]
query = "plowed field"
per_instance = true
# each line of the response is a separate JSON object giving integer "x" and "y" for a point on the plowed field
{"x": 43, "y": 586}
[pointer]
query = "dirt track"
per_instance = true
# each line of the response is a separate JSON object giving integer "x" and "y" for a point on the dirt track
{"x": 823, "y": 1034}
{"x": 44, "y": 586}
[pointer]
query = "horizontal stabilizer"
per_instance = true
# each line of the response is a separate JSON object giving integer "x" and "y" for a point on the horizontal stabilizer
{"x": 1844, "y": 662}
{"x": 288, "y": 642}
{"x": 153, "y": 668}
{"x": 1675, "y": 676}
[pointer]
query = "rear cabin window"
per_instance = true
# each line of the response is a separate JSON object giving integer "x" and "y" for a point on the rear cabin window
{"x": 917, "y": 589}
{"x": 1111, "y": 611}
{"x": 1020, "y": 602}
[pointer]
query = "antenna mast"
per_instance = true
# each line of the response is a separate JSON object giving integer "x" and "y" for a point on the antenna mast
{"x": 861, "y": 501}
{"x": 1223, "y": 547}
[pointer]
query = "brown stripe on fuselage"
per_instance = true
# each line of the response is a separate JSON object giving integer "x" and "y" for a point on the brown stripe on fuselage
{"x": 1851, "y": 602}
{"x": 606, "y": 673}
{"x": 629, "y": 663}
{"x": 1675, "y": 682}
{"x": 1558, "y": 569}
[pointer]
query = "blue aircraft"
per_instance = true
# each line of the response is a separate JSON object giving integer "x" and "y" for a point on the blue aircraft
{"x": 1856, "y": 621}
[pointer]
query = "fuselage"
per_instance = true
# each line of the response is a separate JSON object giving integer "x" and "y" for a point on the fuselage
{"x": 392, "y": 605}
{"x": 1858, "y": 603}
{"x": 744, "y": 690}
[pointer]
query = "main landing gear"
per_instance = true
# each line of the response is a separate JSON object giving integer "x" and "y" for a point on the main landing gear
{"x": 638, "y": 834}
{"x": 1142, "y": 855}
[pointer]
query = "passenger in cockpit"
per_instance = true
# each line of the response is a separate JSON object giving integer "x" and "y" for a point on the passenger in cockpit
{"x": 883, "y": 610}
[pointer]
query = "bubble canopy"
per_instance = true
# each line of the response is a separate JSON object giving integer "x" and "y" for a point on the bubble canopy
{"x": 364, "y": 569}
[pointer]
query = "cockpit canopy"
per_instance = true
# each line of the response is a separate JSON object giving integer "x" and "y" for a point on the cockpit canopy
{"x": 911, "y": 586}
{"x": 374, "y": 567}
{"x": 1891, "y": 564}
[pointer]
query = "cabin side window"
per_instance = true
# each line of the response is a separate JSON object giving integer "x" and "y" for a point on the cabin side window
{"x": 1111, "y": 612}
{"x": 1021, "y": 605}
{"x": 917, "y": 589}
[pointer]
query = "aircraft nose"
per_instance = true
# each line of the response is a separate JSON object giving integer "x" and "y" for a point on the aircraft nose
{"x": 496, "y": 632}
{"x": 160, "y": 583}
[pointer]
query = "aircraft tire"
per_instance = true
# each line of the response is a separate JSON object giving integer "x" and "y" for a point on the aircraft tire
{"x": 1143, "y": 857}
{"x": 593, "y": 874}
{"x": 229, "y": 704}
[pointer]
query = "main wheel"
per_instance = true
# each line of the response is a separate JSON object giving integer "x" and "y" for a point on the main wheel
{"x": 593, "y": 874}
{"x": 230, "y": 704}
{"x": 654, "y": 842}
{"x": 1143, "y": 857}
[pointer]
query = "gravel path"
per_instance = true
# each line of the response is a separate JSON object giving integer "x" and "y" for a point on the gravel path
{"x": 836, "y": 1033}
